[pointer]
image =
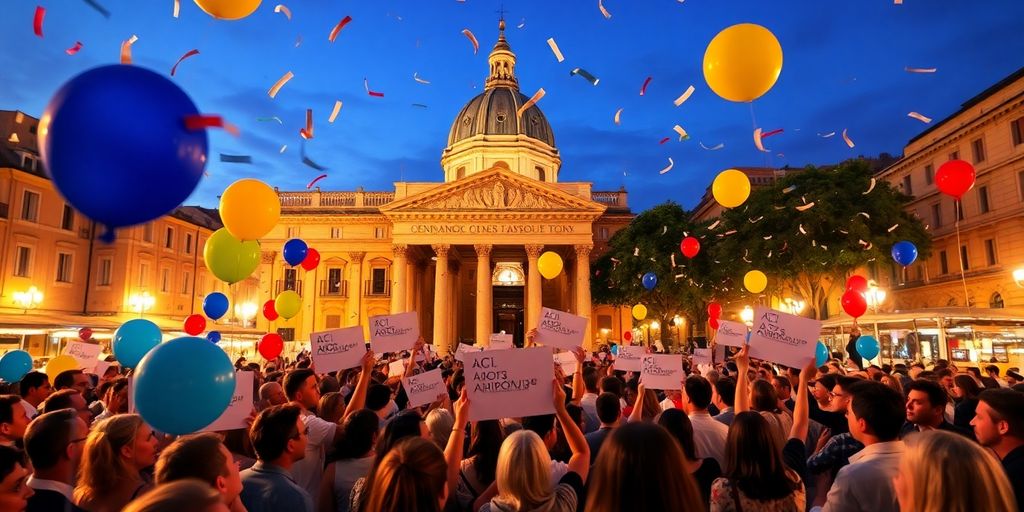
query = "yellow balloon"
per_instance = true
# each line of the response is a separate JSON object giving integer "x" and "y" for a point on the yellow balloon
{"x": 639, "y": 311}
{"x": 287, "y": 304}
{"x": 59, "y": 365}
{"x": 755, "y": 281}
{"x": 549, "y": 264}
{"x": 249, "y": 209}
{"x": 228, "y": 9}
{"x": 731, "y": 188}
{"x": 743, "y": 62}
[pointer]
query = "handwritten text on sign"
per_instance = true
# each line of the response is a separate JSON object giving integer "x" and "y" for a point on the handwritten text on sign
{"x": 394, "y": 333}
{"x": 702, "y": 356}
{"x": 662, "y": 371}
{"x": 731, "y": 334}
{"x": 560, "y": 329}
{"x": 238, "y": 410}
{"x": 509, "y": 383}
{"x": 499, "y": 341}
{"x": 338, "y": 349}
{"x": 424, "y": 388}
{"x": 783, "y": 338}
{"x": 87, "y": 354}
{"x": 629, "y": 358}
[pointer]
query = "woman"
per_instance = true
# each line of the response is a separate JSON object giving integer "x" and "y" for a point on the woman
{"x": 704, "y": 471}
{"x": 405, "y": 424}
{"x": 439, "y": 422}
{"x": 893, "y": 382}
{"x": 331, "y": 407}
{"x": 931, "y": 476}
{"x": 116, "y": 451}
{"x": 637, "y": 470}
{"x": 412, "y": 476}
{"x": 476, "y": 473}
{"x": 966, "y": 391}
{"x": 756, "y": 477}
{"x": 354, "y": 453}
{"x": 764, "y": 400}
{"x": 179, "y": 496}
{"x": 646, "y": 407}
{"x": 14, "y": 494}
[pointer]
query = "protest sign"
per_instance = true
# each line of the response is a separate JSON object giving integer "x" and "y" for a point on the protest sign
{"x": 424, "y": 388}
{"x": 783, "y": 338}
{"x": 233, "y": 418}
{"x": 567, "y": 360}
{"x": 559, "y": 329}
{"x": 719, "y": 353}
{"x": 731, "y": 334}
{"x": 102, "y": 366}
{"x": 394, "y": 333}
{"x": 463, "y": 349}
{"x": 629, "y": 358}
{"x": 662, "y": 371}
{"x": 499, "y": 341}
{"x": 702, "y": 356}
{"x": 337, "y": 349}
{"x": 396, "y": 368}
{"x": 87, "y": 354}
{"x": 509, "y": 383}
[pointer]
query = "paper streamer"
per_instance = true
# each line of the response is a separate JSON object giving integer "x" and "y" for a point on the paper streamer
{"x": 757, "y": 141}
{"x": 307, "y": 132}
{"x": 313, "y": 164}
{"x": 337, "y": 28}
{"x": 476, "y": 45}
{"x": 416, "y": 77}
{"x": 666, "y": 139}
{"x": 375, "y": 94}
{"x": 773, "y": 132}
{"x": 99, "y": 8}
{"x": 604, "y": 12}
{"x": 284, "y": 147}
{"x": 126, "y": 49}
{"x": 893, "y": 228}
{"x": 177, "y": 7}
{"x": 618, "y": 116}
{"x": 555, "y": 50}
{"x": 334, "y": 112}
{"x": 188, "y": 54}
{"x": 669, "y": 168}
{"x": 870, "y": 188}
{"x": 37, "y": 22}
{"x": 298, "y": 40}
{"x": 846, "y": 138}
{"x": 827, "y": 135}
{"x": 683, "y": 97}
{"x": 279, "y": 84}
{"x": 284, "y": 9}
{"x": 531, "y": 102}
{"x": 805, "y": 207}
{"x": 582, "y": 72}
{"x": 521, "y": 23}
{"x": 264, "y": 119}
{"x": 919, "y": 117}
{"x": 74, "y": 49}
{"x": 235, "y": 159}
{"x": 318, "y": 178}
{"x": 204, "y": 121}
{"x": 682, "y": 133}
{"x": 419, "y": 105}
{"x": 909, "y": 69}
{"x": 716, "y": 147}
{"x": 643, "y": 88}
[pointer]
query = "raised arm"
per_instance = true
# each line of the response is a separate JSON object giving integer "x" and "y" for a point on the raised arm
{"x": 530, "y": 336}
{"x": 358, "y": 400}
{"x": 453, "y": 451}
{"x": 801, "y": 411}
{"x": 638, "y": 406}
{"x": 411, "y": 365}
{"x": 579, "y": 462}
{"x": 742, "y": 381}
{"x": 578, "y": 388}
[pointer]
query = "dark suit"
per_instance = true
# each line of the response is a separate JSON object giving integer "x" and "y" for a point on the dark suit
{"x": 50, "y": 501}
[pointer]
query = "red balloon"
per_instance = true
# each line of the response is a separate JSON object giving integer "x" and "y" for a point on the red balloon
{"x": 713, "y": 323}
{"x": 857, "y": 283}
{"x": 195, "y": 324}
{"x": 270, "y": 346}
{"x": 627, "y": 336}
{"x": 312, "y": 259}
{"x": 85, "y": 333}
{"x": 714, "y": 310}
{"x": 854, "y": 303}
{"x": 690, "y": 247}
{"x": 268, "y": 310}
{"x": 955, "y": 178}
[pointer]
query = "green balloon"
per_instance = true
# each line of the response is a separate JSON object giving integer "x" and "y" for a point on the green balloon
{"x": 230, "y": 259}
{"x": 288, "y": 304}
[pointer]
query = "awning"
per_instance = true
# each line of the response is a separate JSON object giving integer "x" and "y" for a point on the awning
{"x": 103, "y": 326}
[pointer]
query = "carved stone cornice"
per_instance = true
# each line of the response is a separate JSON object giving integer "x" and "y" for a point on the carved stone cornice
{"x": 533, "y": 251}
{"x": 399, "y": 250}
{"x": 493, "y": 215}
{"x": 483, "y": 250}
{"x": 267, "y": 256}
{"x": 583, "y": 251}
{"x": 357, "y": 257}
{"x": 441, "y": 250}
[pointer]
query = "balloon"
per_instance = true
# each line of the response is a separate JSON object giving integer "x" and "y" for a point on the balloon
{"x": 650, "y": 280}
{"x": 270, "y": 346}
{"x": 183, "y": 385}
{"x": 195, "y": 324}
{"x": 134, "y": 339}
{"x": 714, "y": 310}
{"x": 549, "y": 264}
{"x": 59, "y": 365}
{"x": 955, "y": 178}
{"x": 287, "y": 304}
{"x": 867, "y": 347}
{"x": 228, "y": 9}
{"x": 295, "y": 251}
{"x": 854, "y": 303}
{"x": 731, "y": 188}
{"x": 114, "y": 142}
{"x": 755, "y": 281}
{"x": 627, "y": 336}
{"x": 743, "y": 62}
{"x": 269, "y": 311}
{"x": 85, "y": 334}
{"x": 213, "y": 336}
{"x": 249, "y": 209}
{"x": 215, "y": 305}
{"x": 690, "y": 247}
{"x": 639, "y": 311}
{"x": 904, "y": 252}
{"x": 14, "y": 365}
{"x": 713, "y": 322}
{"x": 312, "y": 259}
{"x": 229, "y": 259}
{"x": 821, "y": 354}
{"x": 614, "y": 350}
{"x": 857, "y": 283}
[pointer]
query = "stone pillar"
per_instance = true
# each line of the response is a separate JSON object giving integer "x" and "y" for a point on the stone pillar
{"x": 484, "y": 302}
{"x": 583, "y": 291}
{"x": 533, "y": 287}
{"x": 454, "y": 301}
{"x": 440, "y": 340}
{"x": 353, "y": 306}
{"x": 399, "y": 279}
{"x": 412, "y": 277}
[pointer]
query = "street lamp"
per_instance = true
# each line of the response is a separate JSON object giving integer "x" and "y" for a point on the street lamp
{"x": 747, "y": 315}
{"x": 792, "y": 306}
{"x": 1018, "y": 277}
{"x": 874, "y": 295}
{"x": 141, "y": 302}
{"x": 28, "y": 299}
{"x": 246, "y": 311}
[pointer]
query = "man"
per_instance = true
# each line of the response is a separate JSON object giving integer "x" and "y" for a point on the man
{"x": 115, "y": 399}
{"x": 1013, "y": 378}
{"x": 278, "y": 437}
{"x": 204, "y": 457}
{"x": 992, "y": 381}
{"x": 378, "y": 400}
{"x": 723, "y": 396}
{"x": 784, "y": 390}
{"x": 926, "y": 403}
{"x": 999, "y": 425}
{"x": 851, "y": 349}
{"x": 874, "y": 415}
{"x": 271, "y": 393}
{"x": 673, "y": 400}
{"x": 821, "y": 408}
{"x": 709, "y": 436}
{"x": 34, "y": 388}
{"x": 74, "y": 379}
{"x": 68, "y": 399}
{"x": 13, "y": 420}
{"x": 589, "y": 401}
{"x": 55, "y": 442}
{"x": 838, "y": 449}
{"x": 609, "y": 413}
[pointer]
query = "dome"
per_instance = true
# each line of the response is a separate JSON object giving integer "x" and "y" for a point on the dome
{"x": 493, "y": 112}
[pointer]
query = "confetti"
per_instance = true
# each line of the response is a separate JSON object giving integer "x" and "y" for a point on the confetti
{"x": 618, "y": 116}
{"x": 714, "y": 225}
{"x": 666, "y": 139}
{"x": 235, "y": 159}
{"x": 805, "y": 207}
{"x": 582, "y": 72}
{"x": 866, "y": 216}
{"x": 74, "y": 49}
{"x": 416, "y": 77}
{"x": 318, "y": 178}
{"x": 683, "y": 97}
{"x": 279, "y": 84}
{"x": 264, "y": 119}
{"x": 757, "y": 141}
{"x": 673, "y": 260}
{"x": 177, "y": 7}
{"x": 37, "y": 22}
{"x": 755, "y": 221}
{"x": 682, "y": 133}
{"x": 334, "y": 112}
{"x": 870, "y": 188}
{"x": 643, "y": 88}
{"x": 307, "y": 132}
{"x": 604, "y": 12}
{"x": 802, "y": 230}
{"x": 531, "y": 102}
{"x": 862, "y": 242}
{"x": 827, "y": 135}
{"x": 284, "y": 147}
{"x": 716, "y": 147}
{"x": 773, "y": 132}
{"x": 419, "y": 105}
{"x": 664, "y": 229}
{"x": 769, "y": 237}
{"x": 375, "y": 94}
{"x": 789, "y": 189}
{"x": 555, "y": 50}
{"x": 669, "y": 168}
{"x": 202, "y": 122}
{"x": 476, "y": 45}
{"x": 298, "y": 41}
{"x": 909, "y": 69}
{"x": 521, "y": 23}
{"x": 919, "y": 117}
{"x": 846, "y": 138}
{"x": 188, "y": 54}
{"x": 893, "y": 228}
{"x": 313, "y": 164}
{"x": 636, "y": 251}
{"x": 284, "y": 9}
{"x": 100, "y": 9}
{"x": 337, "y": 28}
{"x": 126, "y": 49}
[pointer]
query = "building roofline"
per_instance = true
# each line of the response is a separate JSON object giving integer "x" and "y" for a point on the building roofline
{"x": 978, "y": 98}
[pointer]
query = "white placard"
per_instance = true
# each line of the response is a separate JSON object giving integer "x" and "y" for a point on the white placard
{"x": 396, "y": 368}
{"x": 560, "y": 329}
{"x": 87, "y": 354}
{"x": 337, "y": 349}
{"x": 702, "y": 356}
{"x": 719, "y": 353}
{"x": 233, "y": 418}
{"x": 499, "y": 341}
{"x": 629, "y": 358}
{"x": 731, "y": 334}
{"x": 102, "y": 367}
{"x": 783, "y": 338}
{"x": 424, "y": 388}
{"x": 568, "y": 362}
{"x": 509, "y": 383}
{"x": 662, "y": 371}
{"x": 394, "y": 333}
{"x": 463, "y": 349}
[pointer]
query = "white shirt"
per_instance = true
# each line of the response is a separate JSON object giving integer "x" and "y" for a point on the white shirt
{"x": 29, "y": 409}
{"x": 51, "y": 485}
{"x": 589, "y": 405}
{"x": 308, "y": 472}
{"x": 865, "y": 485}
{"x": 709, "y": 436}
{"x": 667, "y": 404}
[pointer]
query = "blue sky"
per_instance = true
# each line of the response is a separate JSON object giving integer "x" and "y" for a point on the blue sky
{"x": 843, "y": 68}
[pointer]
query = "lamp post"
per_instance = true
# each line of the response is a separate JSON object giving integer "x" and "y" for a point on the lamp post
{"x": 245, "y": 311}
{"x": 747, "y": 315}
{"x": 1018, "y": 277}
{"x": 28, "y": 299}
{"x": 874, "y": 296}
{"x": 141, "y": 302}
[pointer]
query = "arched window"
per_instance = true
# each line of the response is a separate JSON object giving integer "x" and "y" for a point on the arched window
{"x": 461, "y": 173}
{"x": 996, "y": 302}
{"x": 541, "y": 175}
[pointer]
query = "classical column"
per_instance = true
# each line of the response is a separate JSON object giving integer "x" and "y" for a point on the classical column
{"x": 484, "y": 302}
{"x": 353, "y": 310}
{"x": 533, "y": 287}
{"x": 583, "y": 290}
{"x": 412, "y": 277}
{"x": 440, "y": 340}
{"x": 455, "y": 300}
{"x": 399, "y": 280}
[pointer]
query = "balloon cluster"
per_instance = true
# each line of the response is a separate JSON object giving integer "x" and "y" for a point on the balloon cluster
{"x": 714, "y": 314}
{"x": 853, "y": 300}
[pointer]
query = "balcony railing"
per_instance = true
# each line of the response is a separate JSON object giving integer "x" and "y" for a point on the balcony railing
{"x": 282, "y": 285}
{"x": 335, "y": 289}
{"x": 382, "y": 288}
{"x": 614, "y": 199}
{"x": 351, "y": 199}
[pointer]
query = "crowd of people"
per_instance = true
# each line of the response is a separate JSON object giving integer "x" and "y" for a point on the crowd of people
{"x": 739, "y": 435}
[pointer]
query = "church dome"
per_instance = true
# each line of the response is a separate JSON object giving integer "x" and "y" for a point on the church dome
{"x": 493, "y": 112}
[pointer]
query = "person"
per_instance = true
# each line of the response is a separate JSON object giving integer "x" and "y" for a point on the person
{"x": 784, "y": 392}
{"x": 189, "y": 494}
{"x": 893, "y": 382}
{"x": 704, "y": 471}
{"x": 966, "y": 390}
{"x": 203, "y": 457}
{"x": 764, "y": 400}
{"x": 271, "y": 394}
{"x": 609, "y": 413}
{"x": 926, "y": 405}
{"x": 54, "y": 444}
{"x": 279, "y": 438}
{"x": 405, "y": 424}
{"x": 851, "y": 348}
{"x": 674, "y": 400}
{"x": 439, "y": 423}
{"x": 875, "y": 416}
{"x": 646, "y": 407}
{"x": 834, "y": 452}
{"x": 68, "y": 399}
{"x": 723, "y": 397}
{"x": 354, "y": 453}
{"x": 638, "y": 470}
{"x": 331, "y": 406}
{"x": 709, "y": 436}
{"x": 34, "y": 388}
{"x": 589, "y": 400}
{"x": 943, "y": 472}
{"x": 755, "y": 477}
{"x": 116, "y": 451}
{"x": 999, "y": 426}
{"x": 478, "y": 469}
{"x": 991, "y": 379}
{"x": 14, "y": 494}
{"x": 74, "y": 379}
{"x": 822, "y": 409}
{"x": 13, "y": 420}
{"x": 115, "y": 398}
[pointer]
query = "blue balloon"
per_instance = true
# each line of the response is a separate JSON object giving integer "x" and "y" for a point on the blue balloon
{"x": 615, "y": 350}
{"x": 650, "y": 280}
{"x": 183, "y": 385}
{"x": 821, "y": 354}
{"x": 867, "y": 347}
{"x": 133, "y": 340}
{"x": 904, "y": 253}
{"x": 14, "y": 365}
{"x": 295, "y": 251}
{"x": 215, "y": 305}
{"x": 114, "y": 142}
{"x": 213, "y": 336}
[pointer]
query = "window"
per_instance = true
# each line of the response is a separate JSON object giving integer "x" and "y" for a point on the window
{"x": 378, "y": 285}
{"x": 333, "y": 321}
{"x": 983, "y": 199}
{"x": 333, "y": 281}
{"x": 30, "y": 206}
{"x": 604, "y": 322}
{"x": 67, "y": 219}
{"x": 959, "y": 209}
{"x": 602, "y": 233}
{"x": 978, "y": 150}
{"x": 63, "y": 267}
{"x": 1017, "y": 130}
{"x": 293, "y": 232}
{"x": 286, "y": 333}
{"x": 929, "y": 174}
{"x": 991, "y": 257}
{"x": 907, "y": 188}
{"x": 169, "y": 239}
{"x": 23, "y": 264}
{"x": 963, "y": 257}
{"x": 378, "y": 233}
{"x": 103, "y": 276}
{"x": 336, "y": 233}
{"x": 147, "y": 232}
{"x": 290, "y": 279}
{"x": 541, "y": 175}
{"x": 996, "y": 302}
{"x": 143, "y": 275}
{"x": 943, "y": 263}
{"x": 937, "y": 215}
{"x": 185, "y": 278}
{"x": 188, "y": 243}
{"x": 955, "y": 155}
{"x": 165, "y": 280}
{"x": 461, "y": 173}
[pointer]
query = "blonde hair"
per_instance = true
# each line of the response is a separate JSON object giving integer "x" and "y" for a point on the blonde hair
{"x": 523, "y": 473}
{"x": 102, "y": 468}
{"x": 934, "y": 466}
{"x": 187, "y": 494}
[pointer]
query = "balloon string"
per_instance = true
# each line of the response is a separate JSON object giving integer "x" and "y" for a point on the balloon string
{"x": 960, "y": 254}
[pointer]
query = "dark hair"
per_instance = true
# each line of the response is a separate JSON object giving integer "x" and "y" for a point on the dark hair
{"x": 329, "y": 384}
{"x": 358, "y": 432}
{"x": 486, "y": 444}
{"x": 192, "y": 456}
{"x": 30, "y": 381}
{"x": 944, "y": 372}
{"x": 272, "y": 430}
{"x": 187, "y": 494}
{"x": 969, "y": 386}
{"x": 1007, "y": 405}
{"x": 294, "y": 380}
{"x": 541, "y": 424}
{"x": 782, "y": 379}
{"x": 590, "y": 379}
{"x": 65, "y": 379}
{"x": 59, "y": 400}
{"x": 9, "y": 457}
{"x": 763, "y": 397}
{"x": 47, "y": 437}
{"x": 677, "y": 423}
{"x": 753, "y": 459}
{"x": 611, "y": 384}
{"x": 608, "y": 408}
{"x": 936, "y": 395}
{"x": 974, "y": 370}
{"x": 726, "y": 389}
{"x": 828, "y": 381}
{"x": 377, "y": 397}
{"x": 845, "y": 382}
{"x": 880, "y": 406}
{"x": 7, "y": 403}
{"x": 404, "y": 424}
{"x": 698, "y": 391}
{"x": 992, "y": 368}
